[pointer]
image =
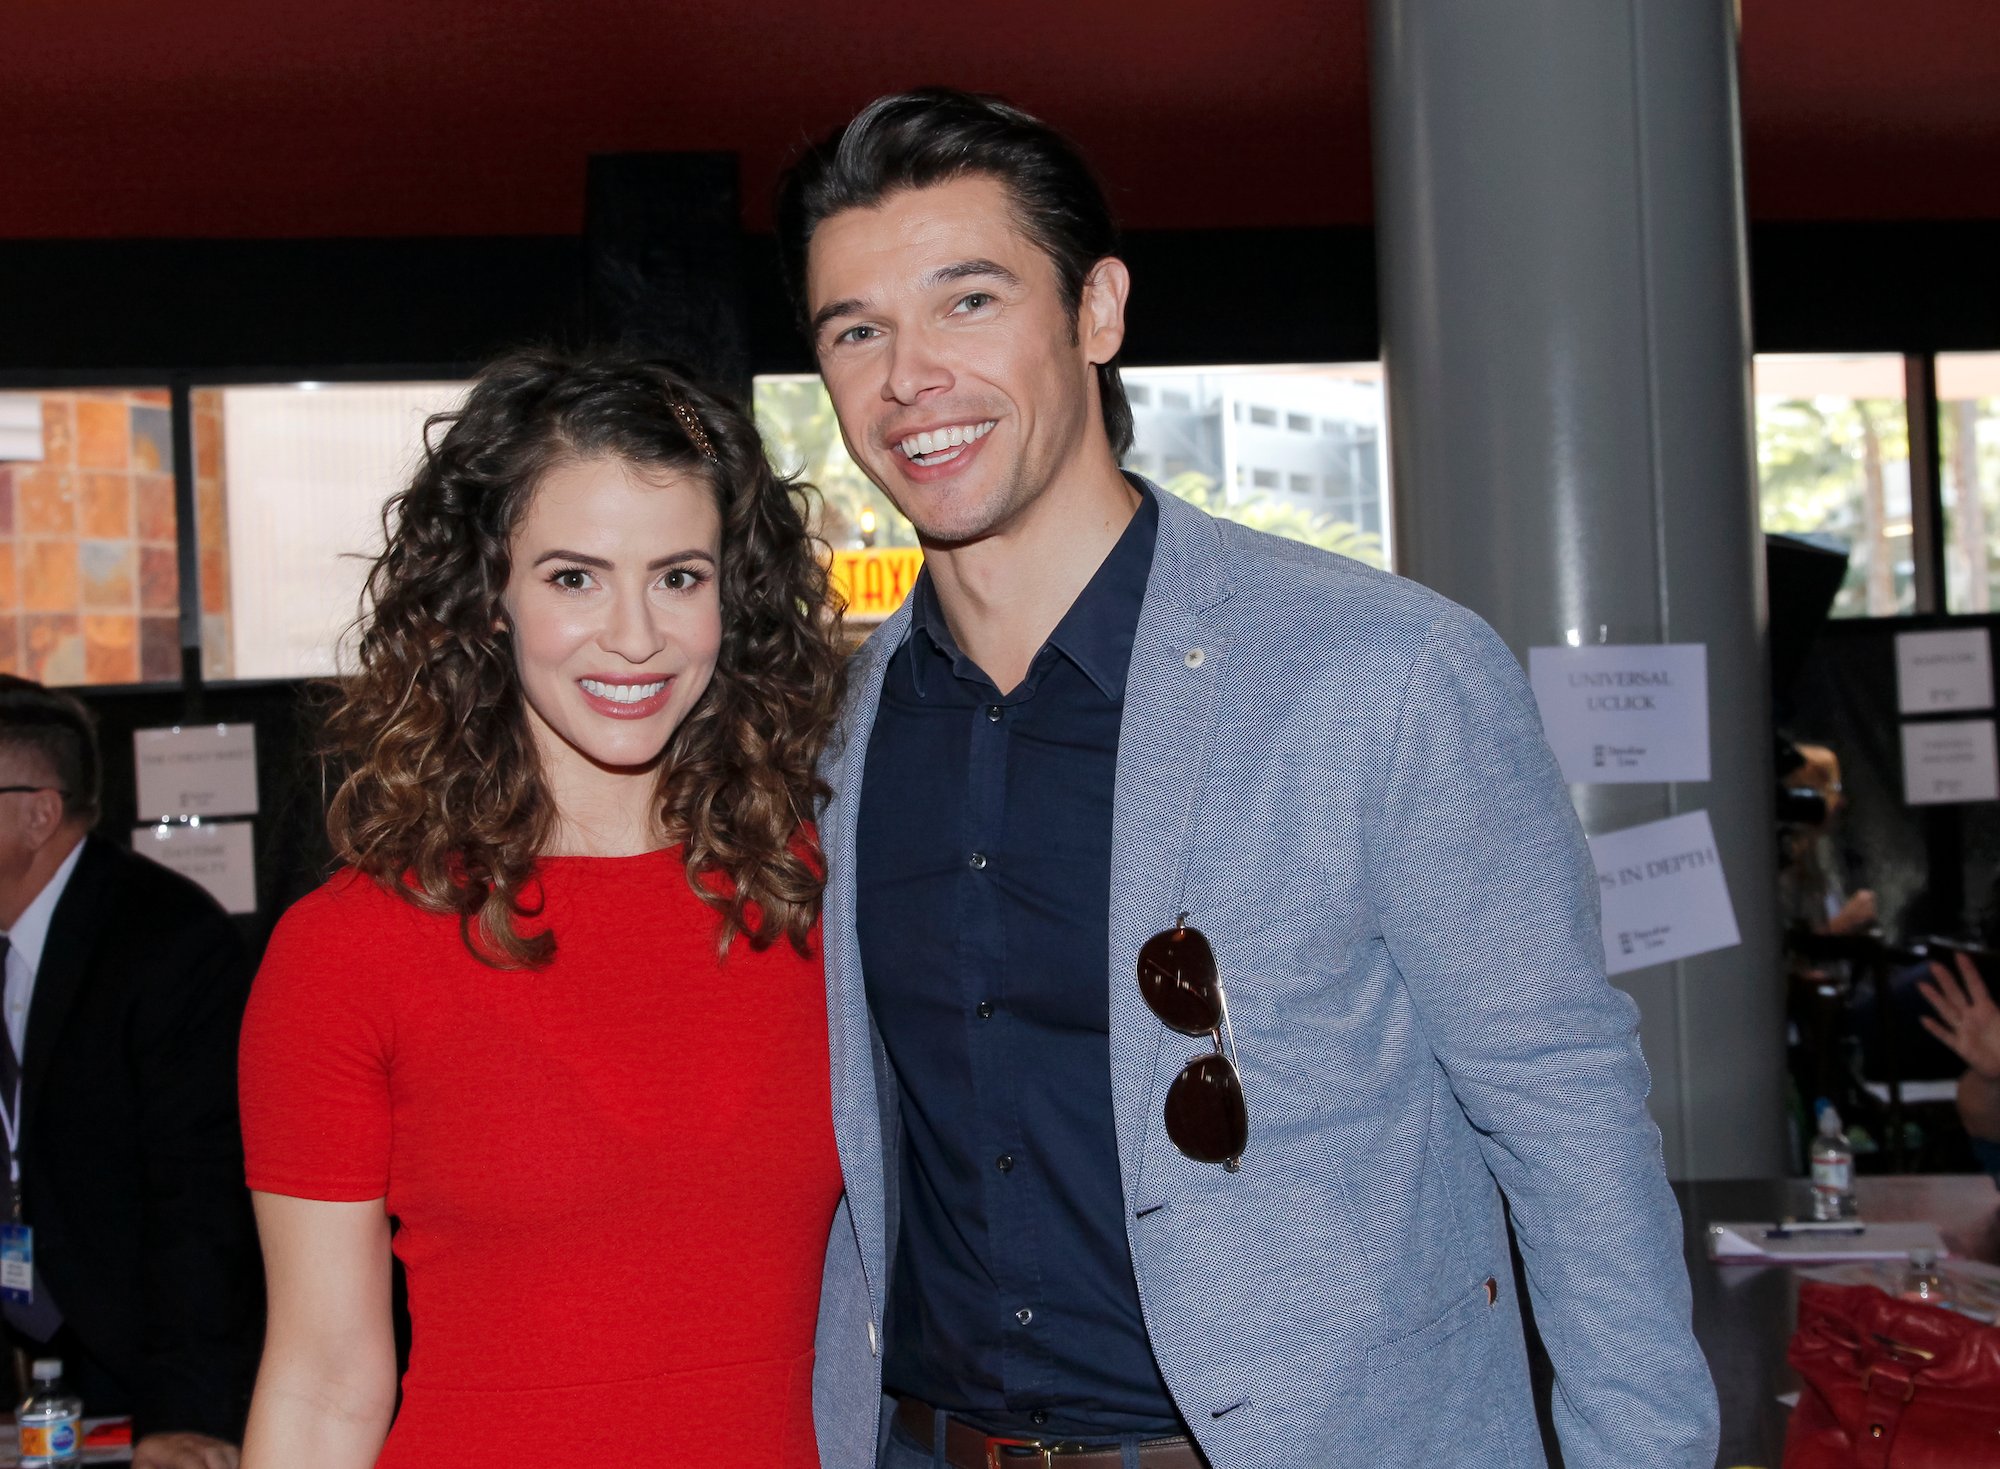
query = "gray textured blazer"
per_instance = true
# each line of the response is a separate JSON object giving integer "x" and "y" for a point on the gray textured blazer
{"x": 1342, "y": 778}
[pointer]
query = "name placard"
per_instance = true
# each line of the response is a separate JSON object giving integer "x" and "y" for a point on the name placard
{"x": 217, "y": 854}
{"x": 1624, "y": 714}
{"x": 1662, "y": 892}
{"x": 1937, "y": 672}
{"x": 197, "y": 770}
{"x": 1948, "y": 761}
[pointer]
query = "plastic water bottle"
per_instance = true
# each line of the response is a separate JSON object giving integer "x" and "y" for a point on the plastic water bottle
{"x": 50, "y": 1421}
{"x": 1832, "y": 1158}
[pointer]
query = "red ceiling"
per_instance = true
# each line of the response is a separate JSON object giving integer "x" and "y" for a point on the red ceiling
{"x": 434, "y": 117}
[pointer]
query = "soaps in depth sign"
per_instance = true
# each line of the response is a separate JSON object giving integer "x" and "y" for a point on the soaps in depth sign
{"x": 1662, "y": 893}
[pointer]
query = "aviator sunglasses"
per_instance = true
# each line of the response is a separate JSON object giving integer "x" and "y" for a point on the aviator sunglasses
{"x": 1206, "y": 1117}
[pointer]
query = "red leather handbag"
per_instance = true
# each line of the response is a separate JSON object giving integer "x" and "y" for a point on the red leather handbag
{"x": 1891, "y": 1384}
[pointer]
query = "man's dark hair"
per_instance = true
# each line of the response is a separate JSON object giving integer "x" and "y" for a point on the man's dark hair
{"x": 60, "y": 730}
{"x": 916, "y": 139}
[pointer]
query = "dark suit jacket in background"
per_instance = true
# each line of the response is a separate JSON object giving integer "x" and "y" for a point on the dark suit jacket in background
{"x": 132, "y": 1158}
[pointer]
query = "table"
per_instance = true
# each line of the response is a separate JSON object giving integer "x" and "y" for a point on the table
{"x": 1744, "y": 1314}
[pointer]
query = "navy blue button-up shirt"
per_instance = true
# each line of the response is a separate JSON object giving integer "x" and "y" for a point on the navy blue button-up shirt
{"x": 984, "y": 889}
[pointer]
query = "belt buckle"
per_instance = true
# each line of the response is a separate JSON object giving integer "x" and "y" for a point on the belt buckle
{"x": 1049, "y": 1452}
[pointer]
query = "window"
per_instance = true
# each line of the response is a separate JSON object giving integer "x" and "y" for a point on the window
{"x": 1176, "y": 402}
{"x": 1968, "y": 389}
{"x": 89, "y": 551}
{"x": 1139, "y": 463}
{"x": 1138, "y": 394}
{"x": 1833, "y": 464}
{"x": 1206, "y": 454}
{"x": 290, "y": 480}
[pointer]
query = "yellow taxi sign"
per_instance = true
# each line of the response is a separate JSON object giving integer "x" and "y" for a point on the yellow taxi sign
{"x": 875, "y": 580}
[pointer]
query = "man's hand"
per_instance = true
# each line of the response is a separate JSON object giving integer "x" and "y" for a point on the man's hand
{"x": 183, "y": 1451}
{"x": 1967, "y": 1019}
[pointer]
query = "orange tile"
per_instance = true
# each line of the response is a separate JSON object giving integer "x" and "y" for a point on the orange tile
{"x": 154, "y": 397}
{"x": 218, "y": 653}
{"x": 152, "y": 440}
{"x": 214, "y": 579}
{"x": 10, "y": 586}
{"x": 159, "y": 579}
{"x": 48, "y": 576}
{"x": 111, "y": 649}
{"x": 155, "y": 494}
{"x": 103, "y": 432}
{"x": 58, "y": 429}
{"x": 10, "y": 644}
{"x": 106, "y": 511}
{"x": 160, "y": 649}
{"x": 46, "y": 500}
{"x": 211, "y": 516}
{"x": 109, "y": 573}
{"x": 208, "y": 446}
{"x": 54, "y": 649}
{"x": 7, "y": 500}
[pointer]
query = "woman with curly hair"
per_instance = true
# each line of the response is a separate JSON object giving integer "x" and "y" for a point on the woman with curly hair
{"x": 561, "y": 1016}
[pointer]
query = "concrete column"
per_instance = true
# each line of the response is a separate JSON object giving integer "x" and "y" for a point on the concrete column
{"x": 1560, "y": 231}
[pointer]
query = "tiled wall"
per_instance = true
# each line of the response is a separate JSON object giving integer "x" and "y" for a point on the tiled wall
{"x": 89, "y": 572}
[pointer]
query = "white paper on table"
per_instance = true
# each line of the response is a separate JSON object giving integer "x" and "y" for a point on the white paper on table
{"x": 1663, "y": 893}
{"x": 217, "y": 854}
{"x": 1751, "y": 1244}
{"x": 1624, "y": 713}
{"x": 1946, "y": 761}
{"x": 197, "y": 770}
{"x": 1937, "y": 672}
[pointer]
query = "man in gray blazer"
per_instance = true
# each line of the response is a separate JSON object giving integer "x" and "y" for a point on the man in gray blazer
{"x": 1211, "y": 945}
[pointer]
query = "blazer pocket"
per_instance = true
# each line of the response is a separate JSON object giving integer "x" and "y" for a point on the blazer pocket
{"x": 1467, "y": 1311}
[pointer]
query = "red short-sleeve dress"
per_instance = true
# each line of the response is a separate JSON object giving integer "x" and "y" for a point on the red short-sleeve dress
{"x": 613, "y": 1176}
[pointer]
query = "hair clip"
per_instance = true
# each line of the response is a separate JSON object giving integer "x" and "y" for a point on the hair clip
{"x": 684, "y": 411}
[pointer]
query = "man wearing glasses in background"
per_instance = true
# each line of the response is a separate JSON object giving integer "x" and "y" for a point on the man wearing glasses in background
{"x": 125, "y": 986}
{"x": 1119, "y": 774}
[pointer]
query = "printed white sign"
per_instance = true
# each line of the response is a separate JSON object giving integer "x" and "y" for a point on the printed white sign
{"x": 197, "y": 770}
{"x": 1663, "y": 893}
{"x": 1937, "y": 672}
{"x": 1630, "y": 713}
{"x": 217, "y": 854}
{"x": 1949, "y": 760}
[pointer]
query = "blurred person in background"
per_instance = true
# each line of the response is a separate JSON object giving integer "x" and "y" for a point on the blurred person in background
{"x": 125, "y": 986}
{"x": 1966, "y": 1019}
{"x": 562, "y": 1015}
{"x": 1815, "y": 889}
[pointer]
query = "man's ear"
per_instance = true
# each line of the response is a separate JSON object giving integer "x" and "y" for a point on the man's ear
{"x": 1100, "y": 315}
{"x": 45, "y": 816}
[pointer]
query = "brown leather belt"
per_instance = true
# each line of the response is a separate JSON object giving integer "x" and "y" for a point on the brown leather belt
{"x": 966, "y": 1447}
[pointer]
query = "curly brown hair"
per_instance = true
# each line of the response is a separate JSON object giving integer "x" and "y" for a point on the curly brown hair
{"x": 441, "y": 796}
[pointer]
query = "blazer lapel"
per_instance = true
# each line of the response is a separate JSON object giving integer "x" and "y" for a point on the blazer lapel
{"x": 73, "y": 932}
{"x": 858, "y": 1129}
{"x": 1165, "y": 746}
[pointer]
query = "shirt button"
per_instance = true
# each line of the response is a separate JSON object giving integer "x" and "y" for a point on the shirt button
{"x": 1039, "y": 1417}
{"x": 1005, "y": 1162}
{"x": 992, "y": 713}
{"x": 977, "y": 861}
{"x": 985, "y": 1011}
{"x": 1024, "y": 1315}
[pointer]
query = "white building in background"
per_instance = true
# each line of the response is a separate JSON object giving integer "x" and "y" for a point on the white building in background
{"x": 1313, "y": 437}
